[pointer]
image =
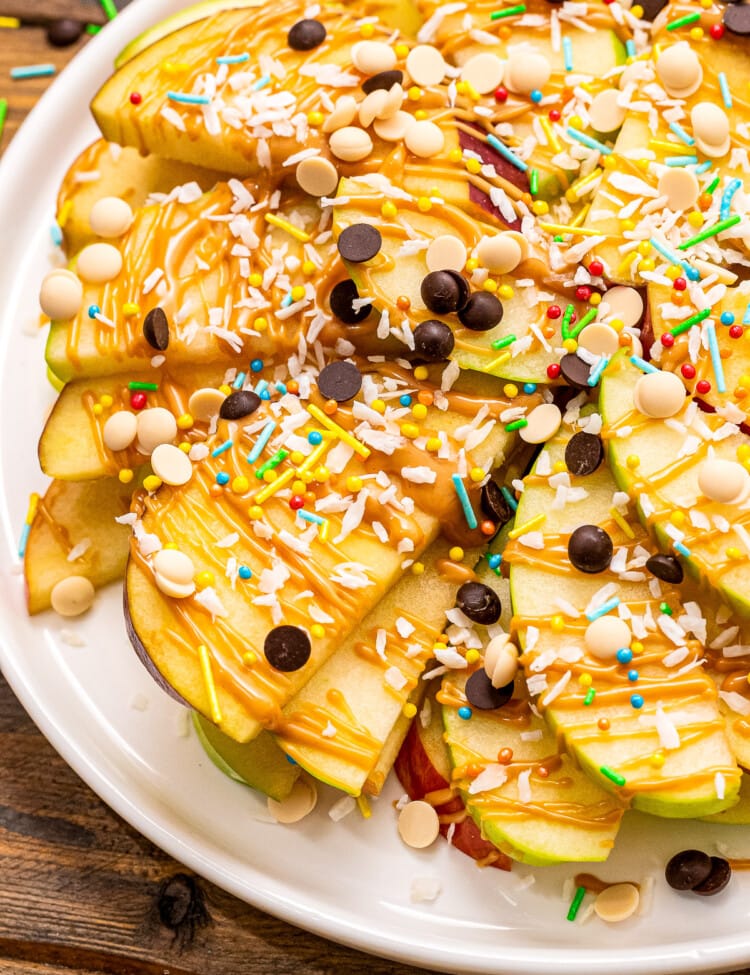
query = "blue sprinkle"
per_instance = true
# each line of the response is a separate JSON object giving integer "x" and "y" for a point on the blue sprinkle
{"x": 727, "y": 318}
{"x": 703, "y": 168}
{"x": 630, "y": 48}
{"x": 589, "y": 142}
{"x": 682, "y": 549}
{"x": 315, "y": 437}
{"x": 642, "y": 364}
{"x": 94, "y": 310}
{"x": 681, "y": 160}
{"x": 463, "y": 497}
{"x": 636, "y": 700}
{"x": 536, "y": 96}
{"x": 506, "y": 153}
{"x": 244, "y": 572}
{"x": 222, "y": 478}
{"x": 262, "y": 82}
{"x": 265, "y": 394}
{"x": 185, "y": 99}
{"x": 32, "y": 71}
{"x": 746, "y": 319}
{"x": 311, "y": 517}
{"x": 726, "y": 198}
{"x": 56, "y": 234}
{"x": 233, "y": 59}
{"x": 405, "y": 400}
{"x": 713, "y": 348}
{"x": 290, "y": 760}
{"x": 261, "y": 386}
{"x": 263, "y": 437}
{"x": 287, "y": 300}
{"x": 612, "y": 603}
{"x": 633, "y": 675}
{"x": 681, "y": 133}
{"x": 596, "y": 372}
{"x": 239, "y": 381}
{"x": 568, "y": 53}
{"x": 222, "y": 449}
{"x": 672, "y": 257}
{"x": 624, "y": 655}
{"x": 726, "y": 95}
{"x": 281, "y": 388}
{"x": 23, "y": 540}
{"x": 464, "y": 713}
{"x": 509, "y": 498}
{"x": 529, "y": 388}
{"x": 256, "y": 365}
{"x": 494, "y": 560}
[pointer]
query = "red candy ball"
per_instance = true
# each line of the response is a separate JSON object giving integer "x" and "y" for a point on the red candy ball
{"x": 667, "y": 340}
{"x": 702, "y": 386}
{"x": 736, "y": 332}
{"x": 501, "y": 94}
{"x": 296, "y": 502}
{"x": 596, "y": 268}
{"x": 688, "y": 370}
{"x": 138, "y": 400}
{"x": 553, "y": 371}
{"x": 717, "y": 31}
{"x": 488, "y": 528}
{"x": 554, "y": 311}
{"x": 679, "y": 284}
{"x": 554, "y": 115}
{"x": 583, "y": 292}
{"x": 136, "y": 98}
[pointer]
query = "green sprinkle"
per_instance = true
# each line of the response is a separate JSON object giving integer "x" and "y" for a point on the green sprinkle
{"x": 517, "y": 425}
{"x": 504, "y": 342}
{"x": 575, "y": 904}
{"x": 3, "y": 114}
{"x": 520, "y": 8}
{"x": 579, "y": 326}
{"x": 534, "y": 182}
{"x": 717, "y": 228}
{"x": 711, "y": 188}
{"x": 684, "y": 21}
{"x": 590, "y": 695}
{"x": 272, "y": 463}
{"x": 689, "y": 322}
{"x": 665, "y": 608}
{"x": 558, "y": 238}
{"x": 609, "y": 773}
{"x": 109, "y": 8}
{"x": 93, "y": 29}
{"x": 146, "y": 387}
{"x": 566, "y": 321}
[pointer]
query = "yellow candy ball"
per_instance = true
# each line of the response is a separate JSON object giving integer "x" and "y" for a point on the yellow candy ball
{"x": 417, "y": 569}
{"x": 696, "y": 219}
{"x": 389, "y": 210}
{"x": 510, "y": 390}
{"x": 456, "y": 553}
{"x": 152, "y": 482}
{"x": 433, "y": 444}
{"x": 419, "y": 411}
{"x": 421, "y": 373}
{"x": 298, "y": 292}
{"x": 489, "y": 285}
{"x": 378, "y": 405}
{"x": 367, "y": 30}
{"x": 322, "y": 474}
{"x": 125, "y": 476}
{"x": 633, "y": 461}
{"x": 540, "y": 207}
{"x": 477, "y": 474}
{"x": 309, "y": 268}
{"x": 409, "y": 430}
{"x": 424, "y": 204}
{"x": 315, "y": 118}
{"x": 473, "y": 166}
{"x": 184, "y": 422}
{"x": 317, "y": 631}
{"x": 260, "y": 324}
{"x": 557, "y": 623}
{"x": 270, "y": 476}
{"x": 505, "y": 291}
{"x": 255, "y": 280}
{"x": 354, "y": 483}
{"x": 97, "y": 409}
{"x": 570, "y": 345}
{"x": 297, "y": 457}
{"x": 240, "y": 485}
{"x": 585, "y": 680}
{"x": 414, "y": 94}
{"x": 106, "y": 401}
{"x": 409, "y": 710}
{"x": 205, "y": 579}
{"x": 255, "y": 512}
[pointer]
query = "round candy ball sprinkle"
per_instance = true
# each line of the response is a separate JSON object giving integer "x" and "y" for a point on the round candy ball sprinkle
{"x": 590, "y": 549}
{"x": 287, "y": 648}
{"x": 480, "y": 603}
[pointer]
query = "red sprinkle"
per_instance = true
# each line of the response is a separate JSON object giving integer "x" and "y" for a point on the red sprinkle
{"x": 296, "y": 502}
{"x": 736, "y": 331}
{"x": 679, "y": 284}
{"x": 138, "y": 400}
{"x": 703, "y": 386}
{"x": 667, "y": 340}
{"x": 554, "y": 115}
{"x": 553, "y": 370}
{"x": 688, "y": 370}
{"x": 583, "y": 292}
{"x": 136, "y": 98}
{"x": 501, "y": 94}
{"x": 554, "y": 311}
{"x": 717, "y": 31}
{"x": 596, "y": 268}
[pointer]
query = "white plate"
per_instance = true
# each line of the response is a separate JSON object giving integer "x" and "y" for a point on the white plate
{"x": 348, "y": 881}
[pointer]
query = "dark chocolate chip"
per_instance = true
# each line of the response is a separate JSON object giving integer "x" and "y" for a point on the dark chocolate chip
{"x": 156, "y": 329}
{"x": 666, "y": 568}
{"x": 652, "y": 8}
{"x": 444, "y": 292}
{"x": 575, "y": 371}
{"x": 340, "y": 381}
{"x": 287, "y": 648}
{"x": 385, "y": 80}
{"x": 343, "y": 296}
{"x": 239, "y": 404}
{"x": 480, "y": 603}
{"x": 721, "y": 873}
{"x": 359, "y": 243}
{"x": 494, "y": 503}
{"x": 687, "y": 869}
{"x": 481, "y": 312}
{"x": 737, "y": 19}
{"x": 433, "y": 340}
{"x": 584, "y": 453}
{"x": 483, "y": 696}
{"x": 64, "y": 32}
{"x": 590, "y": 549}
{"x": 305, "y": 35}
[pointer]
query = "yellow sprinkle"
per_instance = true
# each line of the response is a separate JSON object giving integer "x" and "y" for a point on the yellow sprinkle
{"x": 152, "y": 482}
{"x": 550, "y": 133}
{"x": 743, "y": 451}
{"x": 389, "y": 210}
{"x": 472, "y": 264}
{"x": 637, "y": 647}
{"x": 172, "y": 546}
{"x": 570, "y": 345}
{"x": 97, "y": 409}
{"x": 595, "y": 299}
{"x": 367, "y": 30}
{"x": 455, "y": 155}
{"x": 65, "y": 209}
{"x": 496, "y": 363}
{"x": 657, "y": 759}
{"x": 559, "y": 467}
{"x": 637, "y": 10}
{"x": 249, "y": 658}
{"x": 456, "y": 553}
{"x": 617, "y": 517}
{"x": 420, "y": 115}
{"x": 489, "y": 285}
{"x": 298, "y": 293}
{"x": 402, "y": 51}
{"x": 323, "y": 531}
{"x": 696, "y": 219}
{"x": 421, "y": 373}
{"x": 131, "y": 308}
{"x": 557, "y": 623}
{"x": 173, "y": 68}
{"x": 322, "y": 474}
{"x": 677, "y": 518}
{"x": 378, "y": 405}
{"x": 125, "y": 476}
{"x": 297, "y": 457}
{"x": 205, "y": 579}
{"x": 312, "y": 459}
{"x": 315, "y": 118}
{"x": 409, "y": 710}
{"x": 260, "y": 324}
{"x": 476, "y": 474}
{"x": 33, "y": 505}
{"x": 610, "y": 162}
{"x": 540, "y": 207}
{"x": 617, "y": 324}
{"x": 317, "y": 631}
{"x": 433, "y": 444}
{"x": 585, "y": 680}
{"x": 255, "y": 280}
{"x": 270, "y": 476}
{"x": 472, "y": 656}
{"x": 299, "y": 487}
{"x": 363, "y": 804}
{"x": 473, "y": 166}
{"x": 575, "y": 122}
{"x": 510, "y": 390}
{"x": 562, "y": 228}
{"x": 184, "y": 422}
{"x": 414, "y": 93}
{"x": 410, "y": 430}
{"x": 633, "y": 461}
{"x": 580, "y": 217}
{"x": 354, "y": 484}
{"x": 417, "y": 569}
{"x": 734, "y": 553}
{"x": 184, "y": 446}
{"x": 240, "y": 485}
{"x": 419, "y": 411}
{"x": 573, "y": 192}
{"x": 10, "y": 22}
{"x": 505, "y": 291}
{"x": 226, "y": 390}
{"x": 696, "y": 33}
{"x": 530, "y": 525}
{"x": 647, "y": 264}
{"x": 255, "y": 512}
{"x": 424, "y": 204}
{"x": 293, "y": 231}
{"x": 309, "y": 268}
{"x": 277, "y": 485}
{"x": 357, "y": 447}
{"x": 208, "y": 680}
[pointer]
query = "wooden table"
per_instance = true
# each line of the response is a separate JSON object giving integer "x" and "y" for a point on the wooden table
{"x": 81, "y": 893}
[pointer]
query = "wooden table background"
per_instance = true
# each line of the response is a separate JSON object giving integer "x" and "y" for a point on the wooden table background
{"x": 81, "y": 893}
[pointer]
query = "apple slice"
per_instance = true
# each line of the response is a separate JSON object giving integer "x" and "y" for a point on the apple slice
{"x": 76, "y": 518}
{"x": 651, "y": 730}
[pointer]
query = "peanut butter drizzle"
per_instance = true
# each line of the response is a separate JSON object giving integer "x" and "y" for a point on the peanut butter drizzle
{"x": 595, "y": 885}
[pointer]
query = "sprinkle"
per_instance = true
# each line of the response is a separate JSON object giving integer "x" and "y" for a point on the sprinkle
{"x": 711, "y": 188}
{"x": 550, "y": 133}
{"x": 689, "y": 322}
{"x": 726, "y": 94}
{"x": 3, "y": 114}
{"x": 574, "y": 190}
{"x": 239, "y": 381}
{"x": 703, "y": 168}
{"x": 534, "y": 182}
{"x": 497, "y": 362}
{"x": 520, "y": 8}
{"x": 508, "y": 495}
{"x": 282, "y": 224}
{"x": 681, "y": 133}
{"x": 93, "y": 29}
{"x": 145, "y": 387}
{"x": 612, "y": 603}
{"x": 261, "y": 386}
{"x": 566, "y": 321}
{"x": 568, "y": 53}
{"x": 208, "y": 679}
{"x": 311, "y": 517}
{"x": 528, "y": 526}
{"x": 109, "y": 8}
{"x": 561, "y": 228}
{"x": 579, "y": 326}
{"x": 596, "y": 373}
{"x": 25, "y": 532}
{"x": 272, "y": 463}
{"x": 684, "y": 21}
{"x": 32, "y": 71}
{"x": 575, "y": 904}
{"x": 588, "y": 141}
{"x": 463, "y": 497}
{"x": 506, "y": 153}
{"x": 287, "y": 300}
{"x": 682, "y": 549}
{"x": 274, "y": 486}
{"x": 746, "y": 319}
{"x": 363, "y": 805}
{"x": 342, "y": 434}
{"x": 726, "y": 197}
{"x": 630, "y": 48}
{"x": 713, "y": 347}
{"x": 671, "y": 256}
{"x": 609, "y": 773}
{"x": 185, "y": 99}
{"x": 516, "y": 425}
{"x": 227, "y": 445}
{"x": 464, "y": 713}
{"x": 280, "y": 388}
{"x": 30, "y": 515}
{"x": 262, "y": 82}
{"x": 56, "y": 234}
{"x": 10, "y": 22}
{"x": 260, "y": 443}
{"x": 617, "y": 517}
{"x": 233, "y": 58}
{"x": 590, "y": 695}
{"x": 504, "y": 342}
{"x": 314, "y": 457}
{"x": 681, "y": 160}
{"x": 717, "y": 228}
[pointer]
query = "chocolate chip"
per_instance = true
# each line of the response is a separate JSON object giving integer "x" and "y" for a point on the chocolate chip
{"x": 305, "y": 35}
{"x": 480, "y": 603}
{"x": 342, "y": 298}
{"x": 584, "y": 453}
{"x": 359, "y": 243}
{"x": 687, "y": 869}
{"x": 590, "y": 549}
{"x": 721, "y": 873}
{"x": 384, "y": 79}
{"x": 433, "y": 340}
{"x": 481, "y": 312}
{"x": 64, "y": 32}
{"x": 156, "y": 329}
{"x": 651, "y": 8}
{"x": 287, "y": 648}
{"x": 575, "y": 371}
{"x": 737, "y": 19}
{"x": 340, "y": 381}
{"x": 240, "y": 404}
{"x": 494, "y": 503}
{"x": 483, "y": 696}
{"x": 666, "y": 568}
{"x": 444, "y": 292}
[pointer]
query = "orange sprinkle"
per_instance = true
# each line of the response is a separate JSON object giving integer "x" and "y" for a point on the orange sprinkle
{"x": 330, "y": 406}
{"x": 403, "y": 303}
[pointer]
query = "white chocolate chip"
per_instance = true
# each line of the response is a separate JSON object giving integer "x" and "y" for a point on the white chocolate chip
{"x": 171, "y": 464}
{"x": 343, "y": 114}
{"x": 501, "y": 660}
{"x": 605, "y": 636}
{"x": 372, "y": 57}
{"x": 174, "y": 565}
{"x": 317, "y": 176}
{"x": 659, "y": 395}
{"x": 120, "y": 430}
{"x": 543, "y": 423}
{"x": 484, "y": 72}
{"x": 680, "y": 186}
{"x": 61, "y": 295}
{"x": 724, "y": 481}
{"x": 372, "y": 107}
{"x": 424, "y": 139}
{"x": 394, "y": 128}
{"x": 624, "y": 303}
{"x": 98, "y": 263}
{"x": 111, "y": 217}
{"x": 426, "y": 65}
{"x": 500, "y": 254}
{"x": 679, "y": 70}
{"x": 205, "y": 403}
{"x": 418, "y": 824}
{"x": 446, "y": 253}
{"x": 350, "y": 144}
{"x": 154, "y": 427}
{"x": 605, "y": 113}
{"x": 299, "y": 803}
{"x": 599, "y": 339}
{"x": 394, "y": 99}
{"x": 527, "y": 71}
{"x": 72, "y": 596}
{"x": 711, "y": 129}
{"x": 617, "y": 903}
